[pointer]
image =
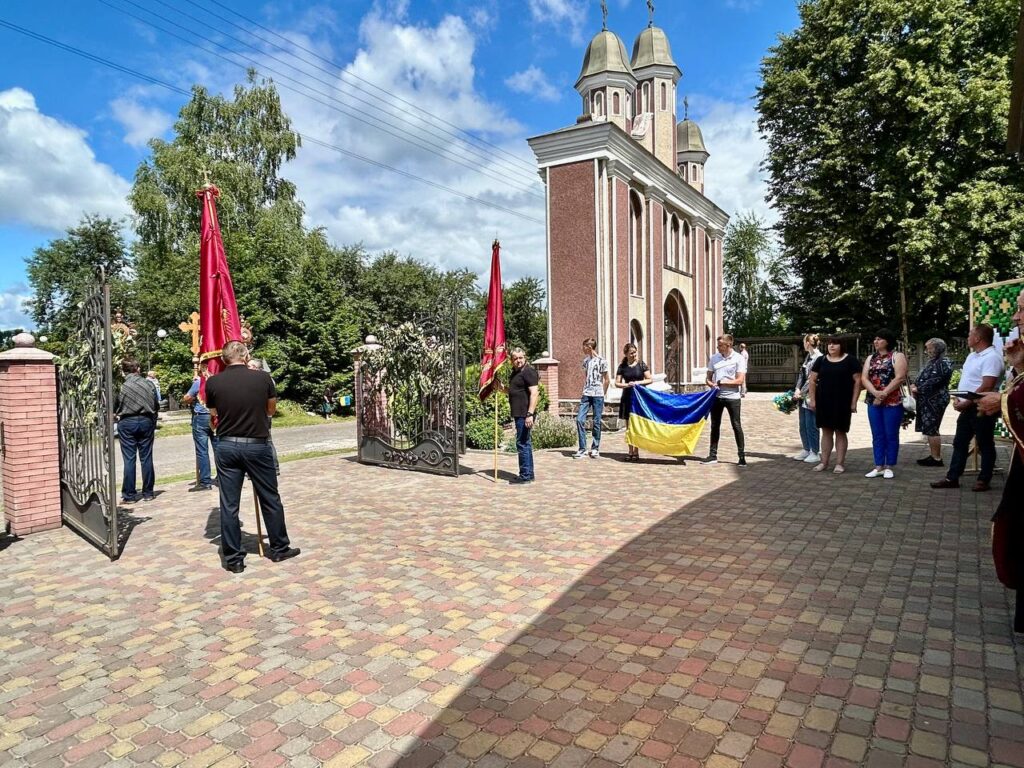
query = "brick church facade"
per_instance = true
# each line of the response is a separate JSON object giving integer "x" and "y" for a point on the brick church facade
{"x": 634, "y": 247}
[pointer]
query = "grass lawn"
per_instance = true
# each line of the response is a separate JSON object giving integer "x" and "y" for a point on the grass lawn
{"x": 288, "y": 415}
{"x": 287, "y": 458}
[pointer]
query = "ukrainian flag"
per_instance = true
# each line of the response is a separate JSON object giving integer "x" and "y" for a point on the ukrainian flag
{"x": 667, "y": 423}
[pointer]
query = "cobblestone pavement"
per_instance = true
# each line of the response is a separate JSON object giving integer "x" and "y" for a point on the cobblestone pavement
{"x": 611, "y": 614}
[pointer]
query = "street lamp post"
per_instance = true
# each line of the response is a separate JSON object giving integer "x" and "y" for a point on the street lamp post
{"x": 161, "y": 334}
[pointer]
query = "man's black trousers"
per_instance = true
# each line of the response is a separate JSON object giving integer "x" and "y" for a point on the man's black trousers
{"x": 235, "y": 460}
{"x": 733, "y": 407}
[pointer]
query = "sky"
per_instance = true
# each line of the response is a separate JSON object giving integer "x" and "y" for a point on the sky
{"x": 444, "y": 92}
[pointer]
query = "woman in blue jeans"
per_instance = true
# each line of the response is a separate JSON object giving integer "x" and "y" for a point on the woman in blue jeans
{"x": 810, "y": 437}
{"x": 884, "y": 372}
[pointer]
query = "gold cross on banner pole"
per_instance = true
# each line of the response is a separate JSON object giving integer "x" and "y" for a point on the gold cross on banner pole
{"x": 193, "y": 328}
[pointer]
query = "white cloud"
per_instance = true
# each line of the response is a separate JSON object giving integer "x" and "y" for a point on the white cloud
{"x": 49, "y": 176}
{"x": 12, "y": 301}
{"x": 734, "y": 179}
{"x": 533, "y": 82}
{"x": 431, "y": 67}
{"x": 141, "y": 123}
{"x": 568, "y": 15}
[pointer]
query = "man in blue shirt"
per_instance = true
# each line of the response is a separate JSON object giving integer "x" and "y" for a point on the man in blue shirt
{"x": 202, "y": 431}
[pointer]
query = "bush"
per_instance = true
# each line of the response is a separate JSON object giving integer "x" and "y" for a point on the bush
{"x": 480, "y": 432}
{"x": 476, "y": 409}
{"x": 550, "y": 431}
{"x": 954, "y": 380}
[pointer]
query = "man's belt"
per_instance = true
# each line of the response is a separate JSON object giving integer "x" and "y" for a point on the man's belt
{"x": 229, "y": 439}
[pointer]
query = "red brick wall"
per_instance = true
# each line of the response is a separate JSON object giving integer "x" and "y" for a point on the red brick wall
{"x": 31, "y": 458}
{"x": 573, "y": 269}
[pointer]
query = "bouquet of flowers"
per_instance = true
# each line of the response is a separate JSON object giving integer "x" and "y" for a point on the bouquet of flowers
{"x": 786, "y": 403}
{"x": 908, "y": 418}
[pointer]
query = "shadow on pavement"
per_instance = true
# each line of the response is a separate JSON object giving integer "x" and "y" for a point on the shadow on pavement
{"x": 757, "y": 630}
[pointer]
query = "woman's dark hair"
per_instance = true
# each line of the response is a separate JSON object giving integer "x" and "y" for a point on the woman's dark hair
{"x": 837, "y": 341}
{"x": 889, "y": 337}
{"x": 625, "y": 352}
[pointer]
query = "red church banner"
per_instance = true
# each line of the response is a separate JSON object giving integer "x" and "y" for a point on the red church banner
{"x": 495, "y": 352}
{"x": 218, "y": 312}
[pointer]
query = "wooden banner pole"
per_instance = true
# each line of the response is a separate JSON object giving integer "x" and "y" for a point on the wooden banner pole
{"x": 259, "y": 525}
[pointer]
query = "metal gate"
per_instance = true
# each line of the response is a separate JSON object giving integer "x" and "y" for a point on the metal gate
{"x": 85, "y": 381}
{"x": 409, "y": 397}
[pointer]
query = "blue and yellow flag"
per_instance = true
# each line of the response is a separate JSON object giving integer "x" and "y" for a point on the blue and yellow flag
{"x": 667, "y": 423}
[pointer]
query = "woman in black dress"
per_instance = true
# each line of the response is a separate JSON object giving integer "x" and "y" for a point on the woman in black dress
{"x": 834, "y": 384}
{"x": 932, "y": 392}
{"x": 632, "y": 372}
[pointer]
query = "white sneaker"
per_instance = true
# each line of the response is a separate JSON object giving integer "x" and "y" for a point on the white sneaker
{"x": 580, "y": 455}
{"x": 874, "y": 473}
{"x": 812, "y": 458}
{"x": 888, "y": 475}
{"x": 595, "y": 454}
{"x": 801, "y": 456}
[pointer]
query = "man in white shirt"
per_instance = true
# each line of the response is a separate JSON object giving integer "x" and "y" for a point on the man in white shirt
{"x": 727, "y": 370}
{"x": 981, "y": 373}
{"x": 595, "y": 385}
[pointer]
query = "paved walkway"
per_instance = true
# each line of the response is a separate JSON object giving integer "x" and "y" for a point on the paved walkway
{"x": 610, "y": 614}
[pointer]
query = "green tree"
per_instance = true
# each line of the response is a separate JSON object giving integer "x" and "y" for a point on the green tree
{"x": 7, "y": 337}
{"x": 526, "y": 320}
{"x": 241, "y": 143}
{"x": 317, "y": 350}
{"x": 754, "y": 279}
{"x": 60, "y": 273}
{"x": 885, "y": 122}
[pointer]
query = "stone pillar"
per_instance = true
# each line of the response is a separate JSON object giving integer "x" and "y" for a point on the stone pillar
{"x": 547, "y": 371}
{"x": 357, "y": 359}
{"x": 30, "y": 451}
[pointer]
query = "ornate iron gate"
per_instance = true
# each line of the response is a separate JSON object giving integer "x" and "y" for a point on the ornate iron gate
{"x": 409, "y": 397}
{"x": 87, "y": 481}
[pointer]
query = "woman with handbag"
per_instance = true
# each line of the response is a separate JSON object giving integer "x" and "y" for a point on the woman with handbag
{"x": 1008, "y": 521}
{"x": 810, "y": 437}
{"x": 932, "y": 392}
{"x": 884, "y": 373}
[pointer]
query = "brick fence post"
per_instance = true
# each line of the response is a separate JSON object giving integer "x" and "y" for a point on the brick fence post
{"x": 547, "y": 372}
{"x": 30, "y": 451}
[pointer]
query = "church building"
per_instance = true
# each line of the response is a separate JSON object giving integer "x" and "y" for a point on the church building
{"x": 634, "y": 247}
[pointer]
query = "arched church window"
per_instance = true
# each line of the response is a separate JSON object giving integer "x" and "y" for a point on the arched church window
{"x": 687, "y": 267}
{"x": 646, "y": 91}
{"x": 636, "y": 245}
{"x": 710, "y": 279}
{"x": 666, "y": 246}
{"x": 636, "y": 336}
{"x": 586, "y": 104}
{"x": 599, "y": 104}
{"x": 664, "y": 97}
{"x": 616, "y": 106}
{"x": 675, "y": 261}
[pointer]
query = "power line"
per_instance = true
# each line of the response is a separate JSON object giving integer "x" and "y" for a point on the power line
{"x": 375, "y": 123}
{"x": 305, "y": 137}
{"x": 352, "y": 75}
{"x": 338, "y": 72}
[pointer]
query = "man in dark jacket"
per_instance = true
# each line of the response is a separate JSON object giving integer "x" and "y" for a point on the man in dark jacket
{"x": 136, "y": 408}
